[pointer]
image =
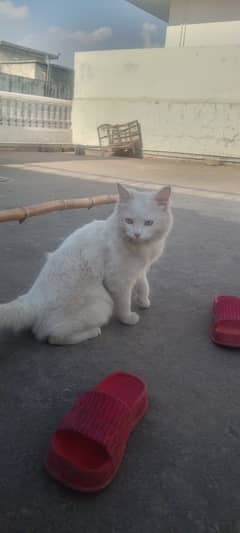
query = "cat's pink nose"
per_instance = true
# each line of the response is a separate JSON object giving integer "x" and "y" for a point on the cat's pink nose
{"x": 137, "y": 235}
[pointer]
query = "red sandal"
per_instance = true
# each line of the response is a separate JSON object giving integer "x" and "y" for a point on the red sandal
{"x": 226, "y": 321}
{"x": 86, "y": 451}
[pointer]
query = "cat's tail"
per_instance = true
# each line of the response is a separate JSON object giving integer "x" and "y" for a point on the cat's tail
{"x": 16, "y": 315}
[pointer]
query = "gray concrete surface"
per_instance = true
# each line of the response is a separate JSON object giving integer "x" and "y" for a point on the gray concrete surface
{"x": 181, "y": 472}
{"x": 186, "y": 176}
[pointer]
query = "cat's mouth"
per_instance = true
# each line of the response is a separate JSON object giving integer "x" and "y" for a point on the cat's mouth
{"x": 136, "y": 240}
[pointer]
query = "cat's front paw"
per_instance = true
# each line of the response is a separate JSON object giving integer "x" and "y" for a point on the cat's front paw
{"x": 131, "y": 319}
{"x": 144, "y": 303}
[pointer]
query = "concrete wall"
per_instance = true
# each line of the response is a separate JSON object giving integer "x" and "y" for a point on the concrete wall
{"x": 27, "y": 70}
{"x": 26, "y": 119}
{"x": 203, "y": 23}
{"x": 16, "y": 135}
{"x": 187, "y": 100}
{"x": 40, "y": 71}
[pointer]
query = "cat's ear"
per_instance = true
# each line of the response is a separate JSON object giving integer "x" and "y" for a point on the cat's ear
{"x": 162, "y": 197}
{"x": 124, "y": 194}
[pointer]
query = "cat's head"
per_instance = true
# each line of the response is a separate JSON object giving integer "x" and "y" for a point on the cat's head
{"x": 143, "y": 216}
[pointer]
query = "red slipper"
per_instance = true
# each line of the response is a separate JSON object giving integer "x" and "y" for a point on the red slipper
{"x": 86, "y": 451}
{"x": 226, "y": 321}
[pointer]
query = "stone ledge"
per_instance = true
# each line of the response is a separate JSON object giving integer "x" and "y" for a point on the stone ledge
{"x": 37, "y": 147}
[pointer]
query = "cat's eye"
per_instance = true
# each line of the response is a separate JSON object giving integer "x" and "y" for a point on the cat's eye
{"x": 148, "y": 223}
{"x": 129, "y": 220}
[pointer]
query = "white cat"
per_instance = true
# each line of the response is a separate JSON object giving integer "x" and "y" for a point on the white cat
{"x": 95, "y": 272}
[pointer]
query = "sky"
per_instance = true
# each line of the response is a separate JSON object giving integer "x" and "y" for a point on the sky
{"x": 67, "y": 26}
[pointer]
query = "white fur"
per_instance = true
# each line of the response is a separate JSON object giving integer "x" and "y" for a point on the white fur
{"x": 97, "y": 270}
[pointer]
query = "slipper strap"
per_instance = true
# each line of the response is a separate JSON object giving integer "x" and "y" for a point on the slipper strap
{"x": 226, "y": 310}
{"x": 100, "y": 417}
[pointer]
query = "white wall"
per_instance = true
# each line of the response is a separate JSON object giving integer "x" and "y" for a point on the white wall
{"x": 19, "y": 69}
{"x": 31, "y": 70}
{"x": 18, "y": 135}
{"x": 203, "y": 23}
{"x": 187, "y": 100}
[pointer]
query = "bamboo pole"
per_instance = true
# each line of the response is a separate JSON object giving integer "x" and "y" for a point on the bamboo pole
{"x": 22, "y": 213}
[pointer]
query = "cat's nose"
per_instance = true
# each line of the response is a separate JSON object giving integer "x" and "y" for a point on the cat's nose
{"x": 137, "y": 235}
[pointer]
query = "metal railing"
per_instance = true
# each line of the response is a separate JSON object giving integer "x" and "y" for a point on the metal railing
{"x": 50, "y": 89}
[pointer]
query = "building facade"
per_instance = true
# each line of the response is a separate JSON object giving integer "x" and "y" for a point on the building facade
{"x": 19, "y": 66}
{"x": 35, "y": 98}
{"x": 186, "y": 95}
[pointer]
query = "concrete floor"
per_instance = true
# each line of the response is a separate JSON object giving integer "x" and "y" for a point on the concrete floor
{"x": 186, "y": 176}
{"x": 181, "y": 470}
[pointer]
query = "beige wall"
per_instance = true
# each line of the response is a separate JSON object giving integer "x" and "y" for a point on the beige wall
{"x": 40, "y": 71}
{"x": 18, "y": 135}
{"x": 27, "y": 70}
{"x": 203, "y": 23}
{"x": 187, "y": 100}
